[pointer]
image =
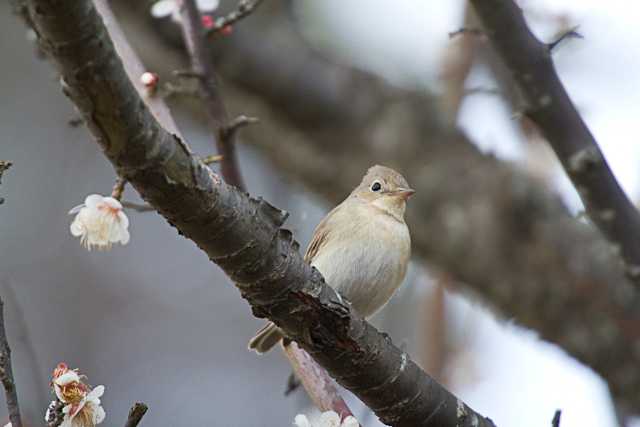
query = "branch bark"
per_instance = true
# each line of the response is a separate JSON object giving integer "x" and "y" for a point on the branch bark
{"x": 501, "y": 233}
{"x": 240, "y": 234}
{"x": 136, "y": 413}
{"x": 6, "y": 374}
{"x": 549, "y": 106}
{"x": 4, "y": 165}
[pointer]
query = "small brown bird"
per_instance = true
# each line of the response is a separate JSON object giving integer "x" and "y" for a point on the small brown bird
{"x": 362, "y": 247}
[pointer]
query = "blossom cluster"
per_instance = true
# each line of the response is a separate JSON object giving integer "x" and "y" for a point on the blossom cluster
{"x": 80, "y": 404}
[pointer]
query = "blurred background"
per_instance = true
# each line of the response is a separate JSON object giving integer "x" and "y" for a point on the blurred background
{"x": 336, "y": 85}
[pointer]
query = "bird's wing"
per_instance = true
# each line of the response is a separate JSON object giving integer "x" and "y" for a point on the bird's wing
{"x": 320, "y": 236}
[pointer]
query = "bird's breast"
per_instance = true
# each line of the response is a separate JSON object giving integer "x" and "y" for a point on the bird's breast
{"x": 368, "y": 263}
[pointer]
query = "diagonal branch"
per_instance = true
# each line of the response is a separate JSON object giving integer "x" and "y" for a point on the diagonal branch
{"x": 6, "y": 374}
{"x": 316, "y": 381}
{"x": 202, "y": 67}
{"x": 240, "y": 234}
{"x": 549, "y": 106}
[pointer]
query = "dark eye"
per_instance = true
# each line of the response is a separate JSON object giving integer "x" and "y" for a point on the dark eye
{"x": 376, "y": 186}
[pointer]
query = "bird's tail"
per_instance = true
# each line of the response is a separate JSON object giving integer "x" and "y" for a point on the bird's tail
{"x": 265, "y": 338}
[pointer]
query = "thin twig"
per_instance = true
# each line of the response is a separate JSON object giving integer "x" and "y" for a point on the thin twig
{"x": 229, "y": 130}
{"x": 316, "y": 381}
{"x": 549, "y": 106}
{"x": 555, "y": 422}
{"x": 118, "y": 188}
{"x": 570, "y": 34}
{"x": 245, "y": 8}
{"x": 4, "y": 165}
{"x": 214, "y": 158}
{"x": 466, "y": 31}
{"x": 202, "y": 65}
{"x": 137, "y": 206}
{"x": 6, "y": 374}
{"x": 136, "y": 413}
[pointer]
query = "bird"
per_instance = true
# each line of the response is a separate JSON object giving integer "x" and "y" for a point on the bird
{"x": 361, "y": 247}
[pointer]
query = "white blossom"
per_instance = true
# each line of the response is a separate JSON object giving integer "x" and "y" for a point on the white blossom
{"x": 326, "y": 419}
{"x": 163, "y": 8}
{"x": 86, "y": 413}
{"x": 100, "y": 222}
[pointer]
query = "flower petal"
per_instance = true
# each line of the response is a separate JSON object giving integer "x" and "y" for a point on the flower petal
{"x": 98, "y": 415}
{"x": 207, "y": 5}
{"x": 112, "y": 203}
{"x": 163, "y": 8}
{"x": 96, "y": 393}
{"x": 76, "y": 209}
{"x": 93, "y": 200}
{"x": 301, "y": 421}
{"x": 330, "y": 419}
{"x": 67, "y": 378}
{"x": 350, "y": 422}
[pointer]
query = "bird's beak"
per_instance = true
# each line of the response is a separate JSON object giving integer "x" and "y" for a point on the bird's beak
{"x": 405, "y": 193}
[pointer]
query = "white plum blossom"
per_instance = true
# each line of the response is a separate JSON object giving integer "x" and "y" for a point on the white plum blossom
{"x": 163, "y": 8}
{"x": 326, "y": 419}
{"x": 100, "y": 222}
{"x": 81, "y": 403}
{"x": 86, "y": 413}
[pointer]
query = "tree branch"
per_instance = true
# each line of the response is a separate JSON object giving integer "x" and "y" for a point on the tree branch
{"x": 523, "y": 253}
{"x": 245, "y": 8}
{"x": 549, "y": 106}
{"x": 136, "y": 413}
{"x": 241, "y": 234}
{"x": 4, "y": 165}
{"x": 6, "y": 374}
{"x": 316, "y": 382}
{"x": 202, "y": 67}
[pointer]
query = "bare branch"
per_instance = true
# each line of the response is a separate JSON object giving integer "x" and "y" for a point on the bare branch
{"x": 228, "y": 131}
{"x": 550, "y": 107}
{"x": 202, "y": 65}
{"x": 466, "y": 31}
{"x": 4, "y": 166}
{"x": 315, "y": 380}
{"x": 245, "y": 8}
{"x": 6, "y": 374}
{"x": 241, "y": 234}
{"x": 136, "y": 413}
{"x": 570, "y": 34}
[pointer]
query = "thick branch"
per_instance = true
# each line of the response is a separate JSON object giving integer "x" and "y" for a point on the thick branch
{"x": 6, "y": 374}
{"x": 202, "y": 67}
{"x": 316, "y": 382}
{"x": 241, "y": 234}
{"x": 549, "y": 106}
{"x": 522, "y": 251}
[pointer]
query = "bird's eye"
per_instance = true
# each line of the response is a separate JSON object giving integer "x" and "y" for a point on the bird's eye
{"x": 376, "y": 186}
